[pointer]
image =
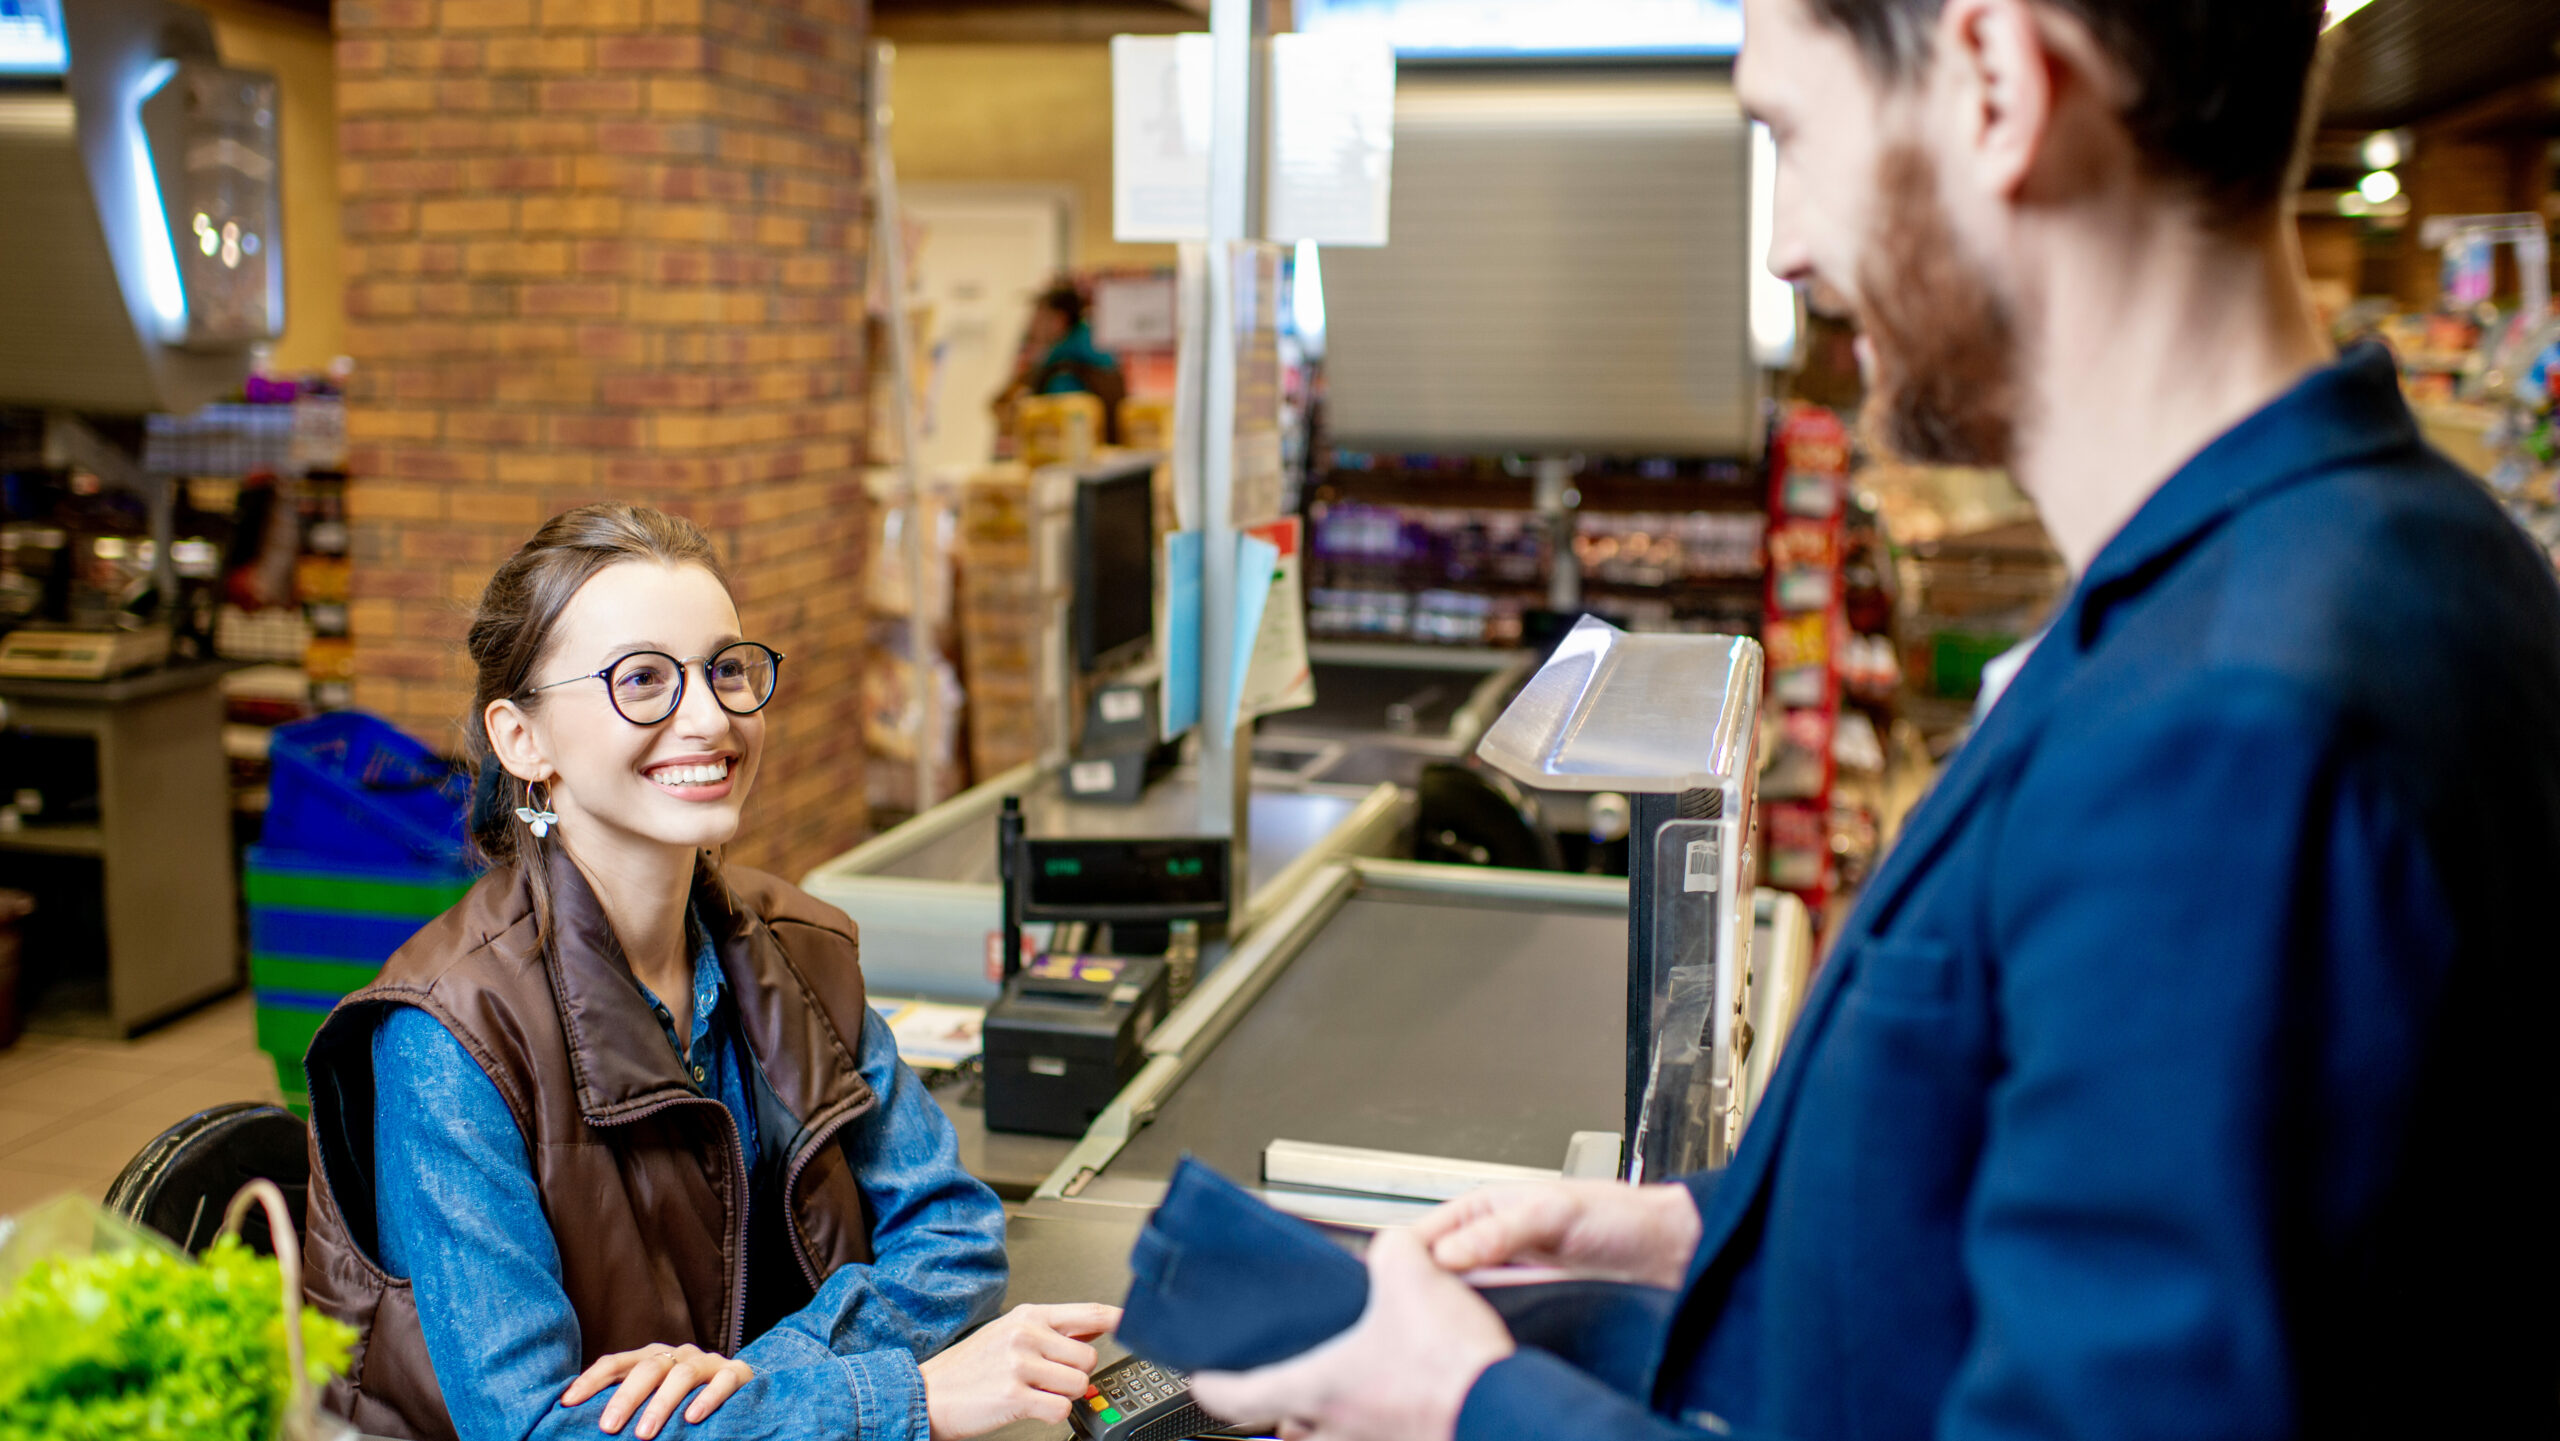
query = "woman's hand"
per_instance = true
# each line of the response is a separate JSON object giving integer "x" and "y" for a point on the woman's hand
{"x": 1028, "y": 1365}
{"x": 672, "y": 1372}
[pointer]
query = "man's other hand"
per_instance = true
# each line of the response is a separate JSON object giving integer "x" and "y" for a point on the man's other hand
{"x": 1401, "y": 1374}
{"x": 1643, "y": 1234}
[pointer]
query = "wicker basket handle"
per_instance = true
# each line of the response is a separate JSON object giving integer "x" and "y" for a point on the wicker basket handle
{"x": 289, "y": 1262}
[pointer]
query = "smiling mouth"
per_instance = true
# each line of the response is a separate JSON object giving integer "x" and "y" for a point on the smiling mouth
{"x": 691, "y": 774}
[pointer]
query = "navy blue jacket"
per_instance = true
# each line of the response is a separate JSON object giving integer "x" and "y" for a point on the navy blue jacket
{"x": 2184, "y": 1071}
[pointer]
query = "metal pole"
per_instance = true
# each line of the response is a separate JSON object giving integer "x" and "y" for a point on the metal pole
{"x": 923, "y": 652}
{"x": 1239, "y": 31}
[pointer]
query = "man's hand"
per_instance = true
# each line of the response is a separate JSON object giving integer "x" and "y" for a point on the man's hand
{"x": 1401, "y": 1374}
{"x": 1644, "y": 1234}
{"x": 1029, "y": 1364}
{"x": 672, "y": 1373}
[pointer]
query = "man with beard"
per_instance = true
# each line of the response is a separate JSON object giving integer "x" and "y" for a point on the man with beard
{"x": 2176, "y": 1074}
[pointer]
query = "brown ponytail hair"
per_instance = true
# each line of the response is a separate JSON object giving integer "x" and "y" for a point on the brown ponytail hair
{"x": 511, "y": 633}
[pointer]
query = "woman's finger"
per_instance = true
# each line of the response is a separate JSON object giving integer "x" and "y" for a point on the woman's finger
{"x": 1065, "y": 1350}
{"x": 1042, "y": 1374}
{"x": 635, "y": 1388}
{"x": 682, "y": 1380}
{"x": 605, "y": 1371}
{"x": 1083, "y": 1320}
{"x": 723, "y": 1384}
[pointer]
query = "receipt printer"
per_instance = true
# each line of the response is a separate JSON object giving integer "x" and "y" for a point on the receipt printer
{"x": 1066, "y": 1035}
{"x": 1068, "y": 1031}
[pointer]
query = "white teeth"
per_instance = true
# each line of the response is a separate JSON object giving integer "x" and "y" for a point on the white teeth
{"x": 700, "y": 775}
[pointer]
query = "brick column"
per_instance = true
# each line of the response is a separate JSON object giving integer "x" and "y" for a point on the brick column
{"x": 611, "y": 249}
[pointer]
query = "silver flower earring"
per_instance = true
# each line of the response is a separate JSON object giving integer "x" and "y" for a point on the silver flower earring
{"x": 540, "y": 818}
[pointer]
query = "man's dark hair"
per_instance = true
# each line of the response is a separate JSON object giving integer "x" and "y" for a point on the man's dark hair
{"x": 2221, "y": 87}
{"x": 1067, "y": 301}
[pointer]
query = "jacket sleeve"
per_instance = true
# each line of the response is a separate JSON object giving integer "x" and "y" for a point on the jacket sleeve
{"x": 461, "y": 1219}
{"x": 2211, "y": 920}
{"x": 1533, "y": 1396}
{"x": 938, "y": 1235}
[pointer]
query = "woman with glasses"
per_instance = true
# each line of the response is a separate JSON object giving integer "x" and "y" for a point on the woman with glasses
{"x": 615, "y": 1144}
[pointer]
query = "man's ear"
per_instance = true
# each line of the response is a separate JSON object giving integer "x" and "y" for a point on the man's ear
{"x": 512, "y": 740}
{"x": 1998, "y": 77}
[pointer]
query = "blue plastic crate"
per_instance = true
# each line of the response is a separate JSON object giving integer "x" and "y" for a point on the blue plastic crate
{"x": 350, "y": 786}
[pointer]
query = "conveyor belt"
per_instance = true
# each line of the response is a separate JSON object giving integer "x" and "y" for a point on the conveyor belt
{"x": 1469, "y": 1027}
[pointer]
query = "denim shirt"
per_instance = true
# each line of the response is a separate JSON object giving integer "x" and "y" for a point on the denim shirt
{"x": 460, "y": 1217}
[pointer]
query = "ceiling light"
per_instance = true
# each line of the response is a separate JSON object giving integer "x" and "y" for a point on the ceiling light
{"x": 2339, "y": 10}
{"x": 2381, "y": 150}
{"x": 2381, "y": 187}
{"x": 2352, "y": 202}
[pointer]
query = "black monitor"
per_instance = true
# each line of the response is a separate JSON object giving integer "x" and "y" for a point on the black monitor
{"x": 1115, "y": 564}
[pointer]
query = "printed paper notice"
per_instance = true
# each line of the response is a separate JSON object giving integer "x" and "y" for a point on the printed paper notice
{"x": 1279, "y": 677}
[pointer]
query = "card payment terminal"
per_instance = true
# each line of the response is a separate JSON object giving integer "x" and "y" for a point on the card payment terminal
{"x": 1136, "y": 1400}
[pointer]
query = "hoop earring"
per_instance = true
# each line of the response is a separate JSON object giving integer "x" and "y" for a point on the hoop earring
{"x": 538, "y": 816}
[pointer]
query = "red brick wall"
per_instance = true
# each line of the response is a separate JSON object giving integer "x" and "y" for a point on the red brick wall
{"x": 611, "y": 249}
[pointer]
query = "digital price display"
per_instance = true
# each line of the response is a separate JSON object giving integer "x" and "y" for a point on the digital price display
{"x": 1178, "y": 878}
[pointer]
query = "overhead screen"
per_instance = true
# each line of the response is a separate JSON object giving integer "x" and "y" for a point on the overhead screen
{"x": 31, "y": 38}
{"x": 1569, "y": 270}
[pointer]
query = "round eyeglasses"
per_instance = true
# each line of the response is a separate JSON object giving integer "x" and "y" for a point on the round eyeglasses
{"x": 646, "y": 686}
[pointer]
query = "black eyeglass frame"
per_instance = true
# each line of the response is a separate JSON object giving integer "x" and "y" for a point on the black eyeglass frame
{"x": 684, "y": 677}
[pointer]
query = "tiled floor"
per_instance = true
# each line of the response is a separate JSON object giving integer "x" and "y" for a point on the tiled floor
{"x": 73, "y": 1111}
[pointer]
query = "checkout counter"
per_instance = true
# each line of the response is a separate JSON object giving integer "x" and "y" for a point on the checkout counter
{"x": 928, "y": 899}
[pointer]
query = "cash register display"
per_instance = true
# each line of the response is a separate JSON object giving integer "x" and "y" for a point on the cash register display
{"x": 1115, "y": 566}
{"x": 1074, "y": 879}
{"x": 31, "y": 38}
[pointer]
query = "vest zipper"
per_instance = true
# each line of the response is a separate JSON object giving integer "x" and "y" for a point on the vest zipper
{"x": 791, "y": 1186}
{"x": 737, "y": 1209}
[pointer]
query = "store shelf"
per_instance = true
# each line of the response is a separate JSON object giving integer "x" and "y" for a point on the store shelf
{"x": 56, "y": 840}
{"x": 1410, "y": 655}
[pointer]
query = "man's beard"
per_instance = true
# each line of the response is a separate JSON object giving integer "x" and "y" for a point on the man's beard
{"x": 1945, "y": 351}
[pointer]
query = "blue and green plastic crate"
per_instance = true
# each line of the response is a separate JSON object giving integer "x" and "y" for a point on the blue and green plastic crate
{"x": 320, "y": 927}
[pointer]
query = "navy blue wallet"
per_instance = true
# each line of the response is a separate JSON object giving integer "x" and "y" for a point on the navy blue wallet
{"x": 1220, "y": 1281}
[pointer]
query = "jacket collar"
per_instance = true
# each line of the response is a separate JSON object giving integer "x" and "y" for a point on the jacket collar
{"x": 618, "y": 1051}
{"x": 2333, "y": 417}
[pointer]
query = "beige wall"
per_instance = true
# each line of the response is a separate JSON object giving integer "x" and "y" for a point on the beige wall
{"x": 1022, "y": 114}
{"x": 297, "y": 51}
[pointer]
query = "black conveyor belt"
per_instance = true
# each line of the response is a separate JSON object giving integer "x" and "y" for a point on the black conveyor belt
{"x": 1475, "y": 1029}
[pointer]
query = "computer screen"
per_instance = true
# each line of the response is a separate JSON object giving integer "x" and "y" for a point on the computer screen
{"x": 31, "y": 38}
{"x": 1115, "y": 564}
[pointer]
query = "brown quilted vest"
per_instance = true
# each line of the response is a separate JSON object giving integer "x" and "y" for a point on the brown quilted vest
{"x": 641, "y": 1172}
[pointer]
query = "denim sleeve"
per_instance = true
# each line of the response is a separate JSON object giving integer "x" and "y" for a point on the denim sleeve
{"x": 461, "y": 1220}
{"x": 938, "y": 1235}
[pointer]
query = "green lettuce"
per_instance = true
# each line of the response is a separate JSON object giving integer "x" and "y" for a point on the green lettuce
{"x": 145, "y": 1345}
